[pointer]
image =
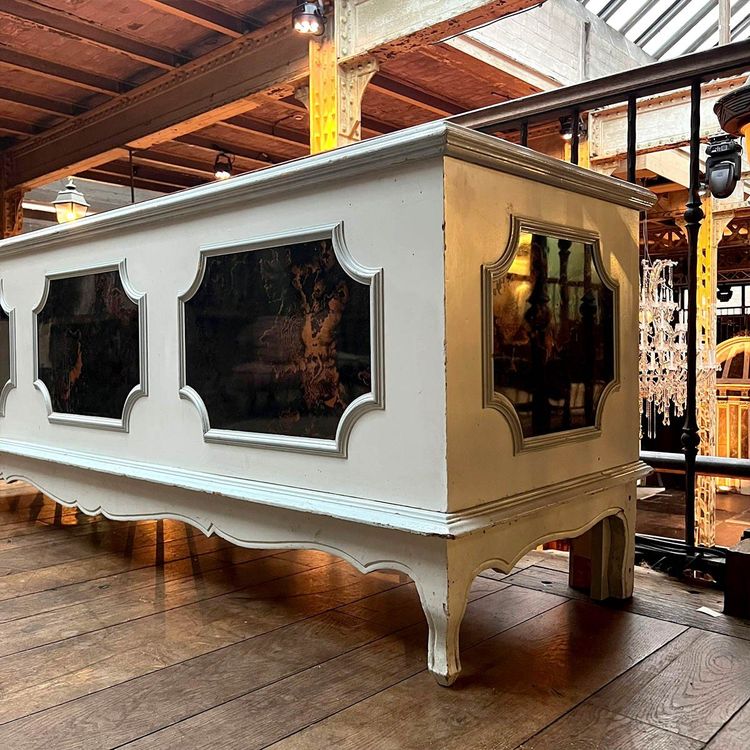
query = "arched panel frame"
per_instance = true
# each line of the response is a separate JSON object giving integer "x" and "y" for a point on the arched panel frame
{"x": 375, "y": 399}
{"x": 140, "y": 389}
{"x": 12, "y": 380}
{"x": 490, "y": 273}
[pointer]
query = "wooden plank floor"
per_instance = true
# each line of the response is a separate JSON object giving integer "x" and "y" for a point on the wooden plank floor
{"x": 150, "y": 636}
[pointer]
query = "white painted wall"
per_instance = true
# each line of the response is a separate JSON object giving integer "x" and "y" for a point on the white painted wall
{"x": 549, "y": 40}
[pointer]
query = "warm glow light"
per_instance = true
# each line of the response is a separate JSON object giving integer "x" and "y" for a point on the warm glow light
{"x": 223, "y": 166}
{"x": 308, "y": 18}
{"x": 70, "y": 204}
{"x": 307, "y": 26}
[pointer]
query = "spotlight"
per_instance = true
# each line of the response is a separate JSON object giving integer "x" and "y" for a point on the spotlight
{"x": 309, "y": 18}
{"x": 724, "y": 293}
{"x": 223, "y": 166}
{"x": 566, "y": 128}
{"x": 723, "y": 164}
{"x": 70, "y": 203}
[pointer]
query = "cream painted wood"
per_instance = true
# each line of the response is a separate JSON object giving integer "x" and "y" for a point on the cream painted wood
{"x": 428, "y": 483}
{"x": 482, "y": 462}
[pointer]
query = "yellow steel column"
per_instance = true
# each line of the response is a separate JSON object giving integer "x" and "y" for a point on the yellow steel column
{"x": 334, "y": 96}
{"x": 709, "y": 237}
{"x": 705, "y": 488}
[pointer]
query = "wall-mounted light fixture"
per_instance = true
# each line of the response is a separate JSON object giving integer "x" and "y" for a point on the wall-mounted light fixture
{"x": 223, "y": 166}
{"x": 70, "y": 203}
{"x": 309, "y": 18}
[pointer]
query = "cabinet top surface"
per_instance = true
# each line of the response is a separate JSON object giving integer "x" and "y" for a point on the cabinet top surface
{"x": 431, "y": 140}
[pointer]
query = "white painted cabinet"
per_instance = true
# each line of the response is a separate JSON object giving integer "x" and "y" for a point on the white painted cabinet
{"x": 417, "y": 352}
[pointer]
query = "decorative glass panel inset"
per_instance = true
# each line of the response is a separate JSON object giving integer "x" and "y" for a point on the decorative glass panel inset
{"x": 553, "y": 333}
{"x": 88, "y": 345}
{"x": 277, "y": 340}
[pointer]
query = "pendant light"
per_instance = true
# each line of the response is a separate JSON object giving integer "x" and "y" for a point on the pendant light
{"x": 70, "y": 203}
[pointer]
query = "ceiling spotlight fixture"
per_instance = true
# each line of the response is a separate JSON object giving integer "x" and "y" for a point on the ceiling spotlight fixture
{"x": 70, "y": 203}
{"x": 566, "y": 128}
{"x": 309, "y": 18}
{"x": 223, "y": 166}
{"x": 724, "y": 293}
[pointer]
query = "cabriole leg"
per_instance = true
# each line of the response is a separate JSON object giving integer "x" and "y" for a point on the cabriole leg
{"x": 444, "y": 602}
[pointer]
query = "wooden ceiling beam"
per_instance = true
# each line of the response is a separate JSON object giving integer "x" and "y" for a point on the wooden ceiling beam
{"x": 150, "y": 173}
{"x": 86, "y": 31}
{"x": 215, "y": 86}
{"x": 117, "y": 179}
{"x": 414, "y": 96}
{"x": 45, "y": 104}
{"x": 221, "y": 83}
{"x": 402, "y": 26}
{"x": 207, "y": 16}
{"x": 17, "y": 127}
{"x": 252, "y": 158}
{"x": 174, "y": 163}
{"x": 371, "y": 126}
{"x": 269, "y": 130}
{"x": 61, "y": 73}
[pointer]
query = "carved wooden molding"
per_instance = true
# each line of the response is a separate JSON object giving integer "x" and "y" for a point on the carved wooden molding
{"x": 490, "y": 273}
{"x": 374, "y": 399}
{"x": 12, "y": 381}
{"x": 141, "y": 389}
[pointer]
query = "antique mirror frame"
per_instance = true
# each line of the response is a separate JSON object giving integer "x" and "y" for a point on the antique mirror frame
{"x": 491, "y": 399}
{"x": 140, "y": 389}
{"x": 375, "y": 399}
{"x": 11, "y": 382}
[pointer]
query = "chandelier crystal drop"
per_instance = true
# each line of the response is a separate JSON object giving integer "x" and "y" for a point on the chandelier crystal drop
{"x": 663, "y": 346}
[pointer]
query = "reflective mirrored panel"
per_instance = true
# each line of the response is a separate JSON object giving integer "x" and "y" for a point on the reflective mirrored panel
{"x": 553, "y": 334}
{"x": 277, "y": 340}
{"x": 88, "y": 344}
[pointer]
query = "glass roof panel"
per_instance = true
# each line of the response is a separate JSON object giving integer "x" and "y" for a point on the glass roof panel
{"x": 668, "y": 28}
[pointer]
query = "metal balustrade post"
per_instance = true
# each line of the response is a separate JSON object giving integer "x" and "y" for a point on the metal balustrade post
{"x": 693, "y": 217}
{"x": 631, "y": 147}
{"x": 575, "y": 141}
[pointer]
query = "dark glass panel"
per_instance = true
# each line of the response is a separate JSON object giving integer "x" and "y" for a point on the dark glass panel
{"x": 553, "y": 334}
{"x": 278, "y": 340}
{"x": 4, "y": 347}
{"x": 88, "y": 345}
{"x": 737, "y": 366}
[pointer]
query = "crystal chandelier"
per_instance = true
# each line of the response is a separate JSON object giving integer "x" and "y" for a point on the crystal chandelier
{"x": 663, "y": 346}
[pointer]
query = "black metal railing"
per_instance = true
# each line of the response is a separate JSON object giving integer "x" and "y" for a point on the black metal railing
{"x": 690, "y": 72}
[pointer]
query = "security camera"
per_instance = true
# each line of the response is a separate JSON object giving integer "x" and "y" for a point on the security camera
{"x": 723, "y": 165}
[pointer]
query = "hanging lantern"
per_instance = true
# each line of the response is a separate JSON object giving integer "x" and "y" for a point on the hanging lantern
{"x": 70, "y": 203}
{"x": 223, "y": 166}
{"x": 663, "y": 346}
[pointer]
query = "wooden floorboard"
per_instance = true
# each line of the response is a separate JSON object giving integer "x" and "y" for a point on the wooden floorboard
{"x": 655, "y": 596}
{"x": 150, "y": 636}
{"x": 591, "y": 726}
